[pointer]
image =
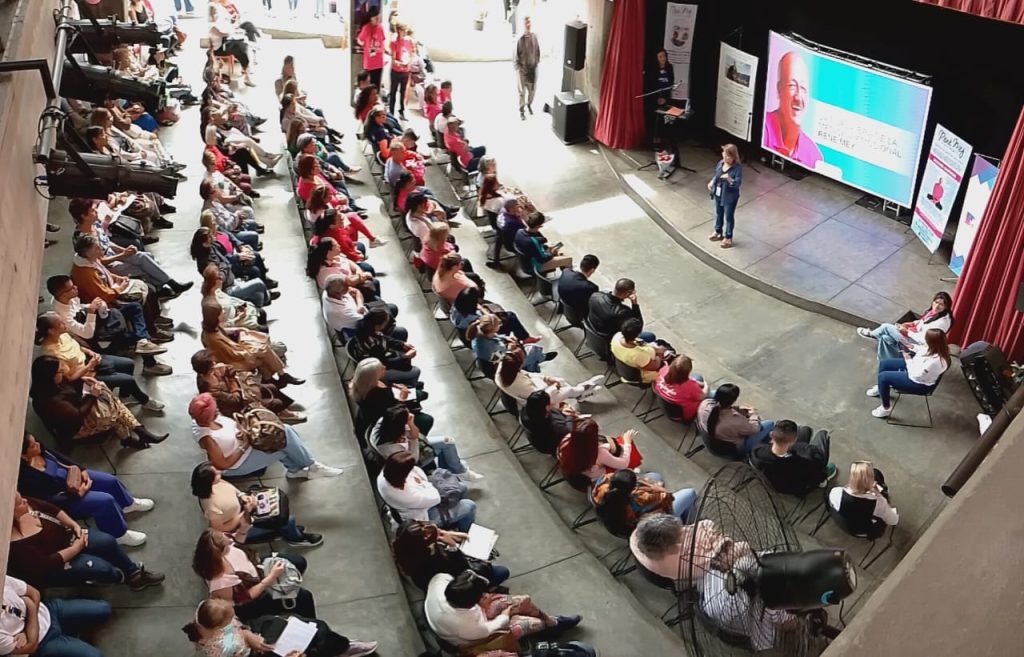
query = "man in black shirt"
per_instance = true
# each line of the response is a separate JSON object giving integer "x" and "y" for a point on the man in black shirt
{"x": 794, "y": 462}
{"x": 575, "y": 287}
{"x": 608, "y": 310}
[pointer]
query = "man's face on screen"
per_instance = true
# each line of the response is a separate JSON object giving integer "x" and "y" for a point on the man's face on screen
{"x": 794, "y": 80}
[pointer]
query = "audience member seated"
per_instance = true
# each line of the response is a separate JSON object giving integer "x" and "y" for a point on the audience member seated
{"x": 455, "y": 142}
{"x": 326, "y": 260}
{"x": 218, "y": 632}
{"x": 867, "y": 483}
{"x": 51, "y": 628}
{"x": 519, "y": 384}
{"x": 916, "y": 375}
{"x": 608, "y": 310}
{"x": 546, "y": 423}
{"x": 231, "y": 574}
{"x": 422, "y": 213}
{"x": 48, "y": 548}
{"x": 95, "y": 281}
{"x": 344, "y": 228}
{"x": 437, "y": 245}
{"x": 489, "y": 167}
{"x": 228, "y": 448}
{"x": 226, "y": 39}
{"x": 896, "y": 339}
{"x": 430, "y": 104}
{"x": 379, "y": 131}
{"x": 374, "y": 398}
{"x": 236, "y": 390}
{"x": 450, "y": 278}
{"x": 405, "y": 188}
{"x": 628, "y": 347}
{"x": 328, "y": 174}
{"x": 396, "y": 431}
{"x": 795, "y": 462}
{"x": 510, "y": 221}
{"x": 677, "y": 386}
{"x": 530, "y": 242}
{"x": 343, "y": 306}
{"x": 414, "y": 162}
{"x": 462, "y": 612}
{"x": 621, "y": 499}
{"x": 235, "y": 241}
{"x": 423, "y": 550}
{"x": 489, "y": 346}
{"x": 231, "y": 215}
{"x": 231, "y": 184}
{"x": 667, "y": 547}
{"x": 217, "y": 132}
{"x": 575, "y": 287}
{"x": 238, "y": 313}
{"x": 74, "y": 410}
{"x": 81, "y": 492}
{"x": 216, "y": 161}
{"x": 241, "y": 348}
{"x": 233, "y": 512}
{"x": 122, "y": 328}
{"x": 368, "y": 100}
{"x": 376, "y": 338}
{"x": 583, "y": 453}
{"x": 440, "y": 124}
{"x": 739, "y": 426}
{"x": 470, "y": 307}
{"x": 406, "y": 489}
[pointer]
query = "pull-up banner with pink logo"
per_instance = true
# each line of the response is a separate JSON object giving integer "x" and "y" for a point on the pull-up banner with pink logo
{"x": 940, "y": 184}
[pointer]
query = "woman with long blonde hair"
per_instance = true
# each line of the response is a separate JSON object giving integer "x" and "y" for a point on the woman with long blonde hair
{"x": 866, "y": 482}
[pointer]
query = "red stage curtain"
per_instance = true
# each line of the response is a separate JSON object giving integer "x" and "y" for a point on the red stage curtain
{"x": 620, "y": 115}
{"x": 1004, "y": 10}
{"x": 984, "y": 303}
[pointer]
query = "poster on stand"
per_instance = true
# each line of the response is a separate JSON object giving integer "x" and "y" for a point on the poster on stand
{"x": 734, "y": 109}
{"x": 940, "y": 184}
{"x": 979, "y": 190}
{"x": 679, "y": 22}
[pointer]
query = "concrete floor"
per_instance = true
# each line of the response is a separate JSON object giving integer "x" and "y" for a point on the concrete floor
{"x": 789, "y": 362}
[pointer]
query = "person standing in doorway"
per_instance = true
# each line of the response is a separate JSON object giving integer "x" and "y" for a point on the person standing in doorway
{"x": 372, "y": 39}
{"x": 527, "y": 56}
{"x": 725, "y": 192}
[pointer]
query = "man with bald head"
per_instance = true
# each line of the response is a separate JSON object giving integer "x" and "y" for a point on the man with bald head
{"x": 782, "y": 132}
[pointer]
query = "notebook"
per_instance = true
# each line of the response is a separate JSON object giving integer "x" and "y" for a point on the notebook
{"x": 480, "y": 542}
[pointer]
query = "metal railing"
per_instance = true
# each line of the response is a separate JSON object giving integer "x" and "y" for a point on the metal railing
{"x": 976, "y": 456}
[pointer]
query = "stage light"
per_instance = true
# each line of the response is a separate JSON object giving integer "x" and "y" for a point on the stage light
{"x": 99, "y": 83}
{"x": 105, "y": 35}
{"x": 805, "y": 580}
{"x": 65, "y": 176}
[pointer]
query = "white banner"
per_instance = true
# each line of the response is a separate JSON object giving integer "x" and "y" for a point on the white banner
{"x": 979, "y": 189}
{"x": 735, "y": 105}
{"x": 943, "y": 175}
{"x": 679, "y": 22}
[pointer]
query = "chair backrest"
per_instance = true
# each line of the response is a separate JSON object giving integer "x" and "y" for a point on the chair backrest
{"x": 350, "y": 347}
{"x": 492, "y": 219}
{"x": 627, "y": 373}
{"x": 573, "y": 317}
{"x": 720, "y": 448}
{"x": 856, "y": 517}
{"x": 488, "y": 368}
{"x": 598, "y": 343}
{"x": 545, "y": 285}
{"x": 509, "y": 403}
{"x": 654, "y": 578}
{"x": 672, "y": 411}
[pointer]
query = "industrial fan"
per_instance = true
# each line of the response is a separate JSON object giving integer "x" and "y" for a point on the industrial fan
{"x": 746, "y": 585}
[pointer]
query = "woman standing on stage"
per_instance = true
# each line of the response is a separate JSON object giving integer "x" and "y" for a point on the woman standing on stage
{"x": 662, "y": 77}
{"x": 725, "y": 192}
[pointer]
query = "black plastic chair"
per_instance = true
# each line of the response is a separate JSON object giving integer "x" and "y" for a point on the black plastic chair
{"x": 856, "y": 517}
{"x": 633, "y": 377}
{"x": 926, "y": 395}
{"x": 675, "y": 413}
{"x": 576, "y": 321}
{"x": 600, "y": 345}
{"x": 720, "y": 448}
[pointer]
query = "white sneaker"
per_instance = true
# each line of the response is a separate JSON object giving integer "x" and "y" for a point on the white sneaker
{"x": 377, "y": 242}
{"x": 139, "y": 505}
{"x": 469, "y": 475}
{"x": 315, "y": 471}
{"x": 882, "y": 412}
{"x": 872, "y": 391}
{"x": 865, "y": 333}
{"x": 154, "y": 405}
{"x": 132, "y": 539}
{"x": 147, "y": 348}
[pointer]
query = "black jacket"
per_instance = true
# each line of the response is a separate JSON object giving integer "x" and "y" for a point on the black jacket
{"x": 796, "y": 474}
{"x": 607, "y": 313}
{"x": 575, "y": 290}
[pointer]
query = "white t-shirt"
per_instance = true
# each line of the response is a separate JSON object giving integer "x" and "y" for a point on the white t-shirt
{"x": 12, "y": 615}
{"x": 226, "y": 438}
{"x": 441, "y": 124}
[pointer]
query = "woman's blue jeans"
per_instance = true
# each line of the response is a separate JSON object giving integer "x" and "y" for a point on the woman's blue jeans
{"x": 461, "y": 517}
{"x": 447, "y": 455}
{"x": 725, "y": 214}
{"x": 102, "y": 561}
{"x": 67, "y": 619}
{"x": 760, "y": 437}
{"x": 892, "y": 375}
{"x": 499, "y": 574}
{"x": 290, "y": 532}
{"x": 105, "y": 502}
{"x": 294, "y": 457}
{"x": 889, "y": 339}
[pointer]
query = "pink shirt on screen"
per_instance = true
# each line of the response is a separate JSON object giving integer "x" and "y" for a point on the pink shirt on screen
{"x": 806, "y": 151}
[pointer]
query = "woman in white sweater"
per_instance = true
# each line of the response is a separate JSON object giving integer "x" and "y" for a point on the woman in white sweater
{"x": 461, "y": 611}
{"x": 516, "y": 382}
{"x": 406, "y": 489}
{"x": 893, "y": 339}
{"x": 917, "y": 375}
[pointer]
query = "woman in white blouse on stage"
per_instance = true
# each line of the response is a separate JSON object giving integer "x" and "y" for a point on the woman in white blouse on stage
{"x": 916, "y": 375}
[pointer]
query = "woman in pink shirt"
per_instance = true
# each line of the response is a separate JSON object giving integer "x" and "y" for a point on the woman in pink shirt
{"x": 436, "y": 245}
{"x": 326, "y": 259}
{"x": 469, "y": 157}
{"x": 581, "y": 452}
{"x": 449, "y": 279}
{"x": 430, "y": 103}
{"x": 675, "y": 386}
{"x": 318, "y": 204}
{"x": 372, "y": 39}
{"x": 307, "y": 168}
{"x": 402, "y": 49}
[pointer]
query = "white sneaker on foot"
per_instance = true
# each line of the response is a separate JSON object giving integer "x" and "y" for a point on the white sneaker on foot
{"x": 154, "y": 405}
{"x": 360, "y": 649}
{"x": 882, "y": 412}
{"x": 872, "y": 391}
{"x": 377, "y": 242}
{"x": 315, "y": 471}
{"x": 131, "y": 539}
{"x": 589, "y": 391}
{"x": 147, "y": 348}
{"x": 865, "y": 333}
{"x": 469, "y": 475}
{"x": 139, "y": 505}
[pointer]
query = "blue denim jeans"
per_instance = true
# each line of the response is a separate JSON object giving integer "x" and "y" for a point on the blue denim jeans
{"x": 889, "y": 339}
{"x": 67, "y": 619}
{"x": 102, "y": 561}
{"x": 294, "y": 457}
{"x": 760, "y": 437}
{"x": 892, "y": 375}
{"x": 725, "y": 214}
{"x": 447, "y": 455}
{"x": 104, "y": 502}
{"x": 684, "y": 504}
{"x": 290, "y": 532}
{"x": 188, "y": 5}
{"x": 461, "y": 517}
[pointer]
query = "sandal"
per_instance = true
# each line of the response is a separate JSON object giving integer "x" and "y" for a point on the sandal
{"x": 726, "y": 243}
{"x": 715, "y": 237}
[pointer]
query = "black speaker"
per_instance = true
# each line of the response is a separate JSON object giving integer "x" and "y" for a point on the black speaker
{"x": 571, "y": 115}
{"x": 988, "y": 374}
{"x": 575, "y": 45}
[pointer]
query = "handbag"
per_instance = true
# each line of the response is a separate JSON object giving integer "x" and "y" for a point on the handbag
{"x": 272, "y": 507}
{"x": 286, "y": 587}
{"x": 135, "y": 293}
{"x": 451, "y": 490}
{"x": 262, "y": 429}
{"x": 127, "y": 227}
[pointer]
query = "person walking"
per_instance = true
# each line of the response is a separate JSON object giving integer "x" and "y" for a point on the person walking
{"x": 527, "y": 56}
{"x": 725, "y": 192}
